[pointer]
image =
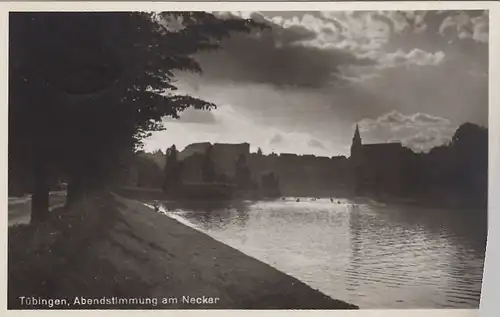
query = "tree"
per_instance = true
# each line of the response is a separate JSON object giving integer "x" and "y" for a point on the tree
{"x": 208, "y": 169}
{"x": 259, "y": 151}
{"x": 159, "y": 157}
{"x": 459, "y": 168}
{"x": 172, "y": 171}
{"x": 86, "y": 88}
{"x": 149, "y": 174}
{"x": 469, "y": 148}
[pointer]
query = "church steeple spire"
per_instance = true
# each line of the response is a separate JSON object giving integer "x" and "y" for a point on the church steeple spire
{"x": 356, "y": 141}
{"x": 357, "y": 136}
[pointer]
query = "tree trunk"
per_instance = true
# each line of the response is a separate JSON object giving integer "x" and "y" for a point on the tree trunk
{"x": 76, "y": 191}
{"x": 40, "y": 195}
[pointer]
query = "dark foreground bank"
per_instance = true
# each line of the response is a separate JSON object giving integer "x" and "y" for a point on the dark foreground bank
{"x": 116, "y": 253}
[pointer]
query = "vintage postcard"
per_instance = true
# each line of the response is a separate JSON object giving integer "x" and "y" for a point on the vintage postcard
{"x": 193, "y": 156}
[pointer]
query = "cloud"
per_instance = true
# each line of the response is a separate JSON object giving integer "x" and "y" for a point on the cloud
{"x": 425, "y": 140}
{"x": 192, "y": 115}
{"x": 379, "y": 28}
{"x": 302, "y": 143}
{"x": 316, "y": 143}
{"x": 396, "y": 120}
{"x": 277, "y": 138}
{"x": 411, "y": 60}
{"x": 279, "y": 55}
{"x": 232, "y": 126}
{"x": 424, "y": 118}
{"x": 358, "y": 32}
{"x": 450, "y": 24}
{"x": 314, "y": 49}
{"x": 456, "y": 89}
{"x": 418, "y": 131}
{"x": 414, "y": 57}
{"x": 480, "y": 30}
{"x": 466, "y": 25}
{"x": 298, "y": 76}
{"x": 362, "y": 27}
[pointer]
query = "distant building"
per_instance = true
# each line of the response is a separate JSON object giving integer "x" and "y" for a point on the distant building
{"x": 192, "y": 167}
{"x": 192, "y": 149}
{"x": 224, "y": 157}
{"x": 380, "y": 167}
{"x": 296, "y": 174}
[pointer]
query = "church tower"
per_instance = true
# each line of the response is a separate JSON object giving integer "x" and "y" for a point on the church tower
{"x": 356, "y": 160}
{"x": 356, "y": 143}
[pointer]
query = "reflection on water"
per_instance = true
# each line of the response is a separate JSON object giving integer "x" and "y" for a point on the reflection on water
{"x": 369, "y": 254}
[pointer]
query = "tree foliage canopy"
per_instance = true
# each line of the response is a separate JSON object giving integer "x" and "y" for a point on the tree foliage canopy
{"x": 86, "y": 87}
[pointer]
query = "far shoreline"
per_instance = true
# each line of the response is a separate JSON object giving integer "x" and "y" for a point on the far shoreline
{"x": 155, "y": 194}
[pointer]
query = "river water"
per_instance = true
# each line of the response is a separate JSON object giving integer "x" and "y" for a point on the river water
{"x": 366, "y": 253}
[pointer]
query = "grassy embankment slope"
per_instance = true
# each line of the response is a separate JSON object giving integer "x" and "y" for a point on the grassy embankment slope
{"x": 113, "y": 246}
{"x": 19, "y": 208}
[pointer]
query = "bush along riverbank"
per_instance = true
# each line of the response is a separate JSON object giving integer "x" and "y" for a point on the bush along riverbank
{"x": 112, "y": 252}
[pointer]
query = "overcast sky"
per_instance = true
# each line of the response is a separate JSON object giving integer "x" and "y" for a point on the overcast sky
{"x": 302, "y": 85}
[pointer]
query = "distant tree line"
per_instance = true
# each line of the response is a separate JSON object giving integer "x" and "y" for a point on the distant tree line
{"x": 457, "y": 171}
{"x": 451, "y": 175}
{"x": 454, "y": 174}
{"x": 146, "y": 170}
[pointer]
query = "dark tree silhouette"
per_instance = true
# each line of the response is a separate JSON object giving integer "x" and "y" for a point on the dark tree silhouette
{"x": 469, "y": 148}
{"x": 172, "y": 171}
{"x": 458, "y": 170}
{"x": 149, "y": 174}
{"x": 86, "y": 88}
{"x": 159, "y": 157}
{"x": 259, "y": 151}
{"x": 208, "y": 169}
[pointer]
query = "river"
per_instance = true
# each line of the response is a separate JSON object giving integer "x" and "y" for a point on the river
{"x": 366, "y": 253}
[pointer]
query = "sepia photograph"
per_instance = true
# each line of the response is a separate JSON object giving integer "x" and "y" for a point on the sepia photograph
{"x": 247, "y": 159}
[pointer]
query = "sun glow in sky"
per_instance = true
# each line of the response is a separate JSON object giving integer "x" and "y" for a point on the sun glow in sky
{"x": 302, "y": 85}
